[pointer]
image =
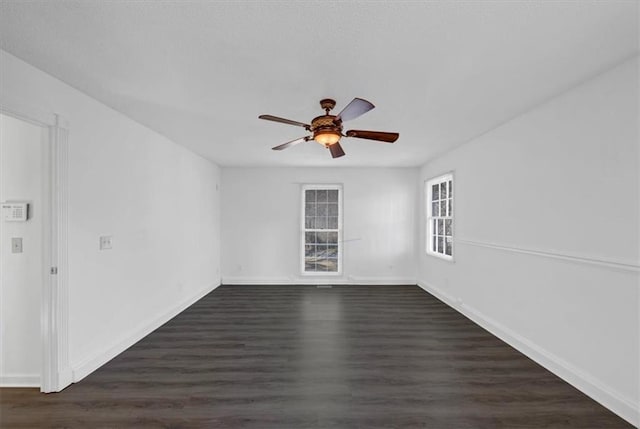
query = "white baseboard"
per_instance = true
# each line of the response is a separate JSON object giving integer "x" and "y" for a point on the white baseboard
{"x": 65, "y": 378}
{"x": 89, "y": 364}
{"x": 338, "y": 280}
{"x": 233, "y": 280}
{"x": 381, "y": 280}
{"x": 582, "y": 381}
{"x": 20, "y": 380}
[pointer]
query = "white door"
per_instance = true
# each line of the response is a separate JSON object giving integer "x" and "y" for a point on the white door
{"x": 22, "y": 176}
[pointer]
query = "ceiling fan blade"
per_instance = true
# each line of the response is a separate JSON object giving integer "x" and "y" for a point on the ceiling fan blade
{"x": 336, "y": 150}
{"x": 373, "y": 135}
{"x": 357, "y": 107}
{"x": 284, "y": 121}
{"x": 291, "y": 143}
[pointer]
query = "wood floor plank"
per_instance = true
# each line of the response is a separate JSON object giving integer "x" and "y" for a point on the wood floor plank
{"x": 306, "y": 357}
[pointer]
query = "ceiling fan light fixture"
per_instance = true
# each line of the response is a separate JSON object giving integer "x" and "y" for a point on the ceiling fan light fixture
{"x": 326, "y": 137}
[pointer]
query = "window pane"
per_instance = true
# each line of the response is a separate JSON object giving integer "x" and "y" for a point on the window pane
{"x": 435, "y": 209}
{"x": 309, "y": 265}
{"x": 332, "y": 251}
{"x": 450, "y": 189}
{"x": 440, "y": 226}
{"x": 332, "y": 195}
{"x": 332, "y": 265}
{"x": 443, "y": 208}
{"x": 332, "y": 209}
{"x": 332, "y": 222}
{"x": 321, "y": 209}
{"x": 450, "y": 208}
{"x": 310, "y": 196}
{"x": 321, "y": 237}
{"x": 443, "y": 190}
{"x": 440, "y": 245}
{"x": 310, "y": 237}
{"x": 321, "y": 251}
{"x": 448, "y": 246}
{"x": 321, "y": 223}
{"x": 434, "y": 226}
{"x": 315, "y": 253}
{"x": 309, "y": 222}
{"x": 332, "y": 237}
{"x": 317, "y": 267}
{"x": 447, "y": 227}
{"x": 435, "y": 193}
{"x": 310, "y": 209}
{"x": 322, "y": 195}
{"x": 435, "y": 242}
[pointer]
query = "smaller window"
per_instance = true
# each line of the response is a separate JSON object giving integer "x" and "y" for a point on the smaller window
{"x": 321, "y": 229}
{"x": 439, "y": 209}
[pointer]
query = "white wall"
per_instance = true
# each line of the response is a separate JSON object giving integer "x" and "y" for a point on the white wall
{"x": 547, "y": 224}
{"x": 261, "y": 218}
{"x": 22, "y": 148}
{"x": 159, "y": 201}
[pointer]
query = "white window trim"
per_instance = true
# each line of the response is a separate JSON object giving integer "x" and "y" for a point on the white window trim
{"x": 429, "y": 225}
{"x": 332, "y": 186}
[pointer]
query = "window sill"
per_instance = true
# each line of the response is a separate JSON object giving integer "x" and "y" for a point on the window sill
{"x": 320, "y": 274}
{"x": 450, "y": 259}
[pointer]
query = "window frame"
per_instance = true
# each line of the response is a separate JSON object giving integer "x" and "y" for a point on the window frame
{"x": 429, "y": 228}
{"x": 303, "y": 229}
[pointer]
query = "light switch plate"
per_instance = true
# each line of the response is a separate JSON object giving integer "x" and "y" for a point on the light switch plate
{"x": 16, "y": 245}
{"x": 105, "y": 242}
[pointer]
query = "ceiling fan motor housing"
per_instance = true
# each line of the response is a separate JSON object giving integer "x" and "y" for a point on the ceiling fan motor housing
{"x": 326, "y": 124}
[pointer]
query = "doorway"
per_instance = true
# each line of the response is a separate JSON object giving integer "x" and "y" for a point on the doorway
{"x": 22, "y": 226}
{"x": 34, "y": 340}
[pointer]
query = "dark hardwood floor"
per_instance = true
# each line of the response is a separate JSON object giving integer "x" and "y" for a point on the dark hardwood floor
{"x": 307, "y": 357}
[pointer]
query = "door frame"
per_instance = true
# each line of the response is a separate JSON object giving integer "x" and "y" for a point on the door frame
{"x": 55, "y": 372}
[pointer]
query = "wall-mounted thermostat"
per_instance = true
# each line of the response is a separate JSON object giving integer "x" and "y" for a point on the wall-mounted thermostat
{"x": 15, "y": 212}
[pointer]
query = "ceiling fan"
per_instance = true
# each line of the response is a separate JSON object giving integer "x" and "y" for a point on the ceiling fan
{"x": 327, "y": 129}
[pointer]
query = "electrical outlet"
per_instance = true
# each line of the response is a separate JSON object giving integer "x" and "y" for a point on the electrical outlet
{"x": 16, "y": 245}
{"x": 105, "y": 242}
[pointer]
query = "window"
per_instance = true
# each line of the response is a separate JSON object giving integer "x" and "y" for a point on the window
{"x": 439, "y": 201}
{"x": 321, "y": 229}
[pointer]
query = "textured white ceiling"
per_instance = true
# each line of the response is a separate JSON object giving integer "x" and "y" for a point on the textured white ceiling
{"x": 439, "y": 73}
